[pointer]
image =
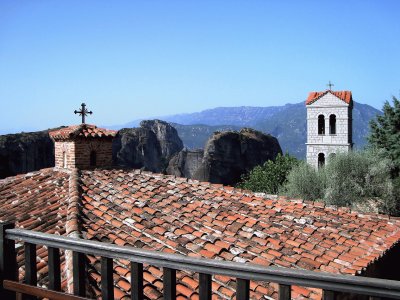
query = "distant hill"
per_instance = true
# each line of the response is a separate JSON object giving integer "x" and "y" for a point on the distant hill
{"x": 287, "y": 123}
{"x": 243, "y": 116}
{"x": 196, "y": 136}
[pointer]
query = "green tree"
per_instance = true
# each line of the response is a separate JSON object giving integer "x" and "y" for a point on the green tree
{"x": 360, "y": 178}
{"x": 355, "y": 179}
{"x": 269, "y": 177}
{"x": 306, "y": 182}
{"x": 385, "y": 133}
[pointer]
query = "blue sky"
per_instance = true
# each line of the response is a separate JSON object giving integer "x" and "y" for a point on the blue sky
{"x": 137, "y": 59}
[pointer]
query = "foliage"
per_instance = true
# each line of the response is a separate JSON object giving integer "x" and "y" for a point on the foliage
{"x": 359, "y": 176}
{"x": 385, "y": 133}
{"x": 349, "y": 179}
{"x": 305, "y": 182}
{"x": 269, "y": 177}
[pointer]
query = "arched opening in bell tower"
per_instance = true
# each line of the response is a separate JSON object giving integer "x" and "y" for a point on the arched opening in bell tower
{"x": 332, "y": 124}
{"x": 321, "y": 124}
{"x": 321, "y": 160}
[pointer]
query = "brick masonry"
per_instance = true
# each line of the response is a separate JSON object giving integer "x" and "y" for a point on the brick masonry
{"x": 76, "y": 153}
{"x": 327, "y": 143}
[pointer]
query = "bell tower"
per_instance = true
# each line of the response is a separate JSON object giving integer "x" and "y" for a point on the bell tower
{"x": 329, "y": 125}
{"x": 82, "y": 146}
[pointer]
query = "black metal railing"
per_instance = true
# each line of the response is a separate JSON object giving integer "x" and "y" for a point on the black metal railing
{"x": 243, "y": 272}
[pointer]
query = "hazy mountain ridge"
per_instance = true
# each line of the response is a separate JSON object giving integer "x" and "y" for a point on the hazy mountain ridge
{"x": 288, "y": 123}
{"x": 240, "y": 116}
{"x": 237, "y": 116}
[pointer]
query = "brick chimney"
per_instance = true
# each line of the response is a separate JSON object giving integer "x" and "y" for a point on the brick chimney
{"x": 82, "y": 146}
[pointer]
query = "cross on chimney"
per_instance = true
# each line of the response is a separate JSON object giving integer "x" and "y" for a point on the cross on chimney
{"x": 83, "y": 112}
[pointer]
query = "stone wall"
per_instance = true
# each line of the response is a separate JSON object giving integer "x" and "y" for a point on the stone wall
{"x": 64, "y": 154}
{"x": 327, "y": 150}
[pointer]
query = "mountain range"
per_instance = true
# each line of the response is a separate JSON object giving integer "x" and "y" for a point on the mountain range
{"x": 288, "y": 123}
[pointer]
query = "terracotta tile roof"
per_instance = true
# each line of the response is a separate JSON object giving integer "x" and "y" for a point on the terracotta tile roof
{"x": 160, "y": 212}
{"x": 176, "y": 215}
{"x": 36, "y": 201}
{"x": 342, "y": 95}
{"x": 82, "y": 130}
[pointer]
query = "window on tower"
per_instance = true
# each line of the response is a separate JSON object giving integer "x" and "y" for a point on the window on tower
{"x": 332, "y": 124}
{"x": 93, "y": 158}
{"x": 321, "y": 160}
{"x": 321, "y": 124}
{"x": 65, "y": 160}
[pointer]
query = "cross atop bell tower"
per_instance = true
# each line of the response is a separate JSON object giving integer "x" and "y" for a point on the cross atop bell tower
{"x": 83, "y": 112}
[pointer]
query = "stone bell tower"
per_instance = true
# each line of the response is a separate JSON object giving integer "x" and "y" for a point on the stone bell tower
{"x": 329, "y": 125}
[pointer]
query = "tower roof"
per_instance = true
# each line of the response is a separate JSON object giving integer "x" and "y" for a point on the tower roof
{"x": 81, "y": 131}
{"x": 345, "y": 96}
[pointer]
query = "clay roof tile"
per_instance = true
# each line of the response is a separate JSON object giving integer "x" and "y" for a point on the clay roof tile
{"x": 83, "y": 130}
{"x": 345, "y": 96}
{"x": 234, "y": 225}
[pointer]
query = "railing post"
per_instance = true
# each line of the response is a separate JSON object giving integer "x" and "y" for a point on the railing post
{"x": 328, "y": 295}
{"x": 78, "y": 271}
{"x": 242, "y": 289}
{"x": 205, "y": 286}
{"x": 54, "y": 269}
{"x": 8, "y": 261}
{"x": 169, "y": 276}
{"x": 107, "y": 284}
{"x": 285, "y": 292}
{"x": 136, "y": 281}
{"x": 30, "y": 267}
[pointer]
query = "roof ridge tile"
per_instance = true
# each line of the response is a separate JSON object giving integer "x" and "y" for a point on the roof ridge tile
{"x": 73, "y": 226}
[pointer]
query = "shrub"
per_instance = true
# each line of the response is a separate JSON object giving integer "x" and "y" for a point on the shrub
{"x": 305, "y": 182}
{"x": 358, "y": 176}
{"x": 348, "y": 179}
{"x": 269, "y": 177}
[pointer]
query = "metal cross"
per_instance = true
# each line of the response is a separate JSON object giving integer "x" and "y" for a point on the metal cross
{"x": 330, "y": 85}
{"x": 83, "y": 112}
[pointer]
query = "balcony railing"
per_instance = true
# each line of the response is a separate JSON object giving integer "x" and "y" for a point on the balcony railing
{"x": 170, "y": 263}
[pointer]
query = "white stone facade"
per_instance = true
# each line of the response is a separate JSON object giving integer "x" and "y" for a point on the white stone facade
{"x": 326, "y": 142}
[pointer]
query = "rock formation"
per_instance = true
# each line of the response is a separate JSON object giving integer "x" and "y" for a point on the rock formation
{"x": 167, "y": 137}
{"x": 226, "y": 157}
{"x": 149, "y": 147}
{"x": 154, "y": 146}
{"x": 25, "y": 152}
{"x": 186, "y": 163}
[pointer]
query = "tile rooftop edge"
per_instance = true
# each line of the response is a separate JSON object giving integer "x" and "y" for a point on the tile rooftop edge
{"x": 229, "y": 189}
{"x": 248, "y": 193}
